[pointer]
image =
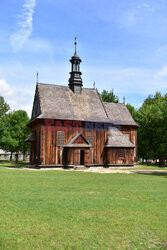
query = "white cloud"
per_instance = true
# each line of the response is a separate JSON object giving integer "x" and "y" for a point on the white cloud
{"x": 17, "y": 98}
{"x": 24, "y": 25}
{"x": 161, "y": 74}
{"x": 126, "y": 81}
{"x": 5, "y": 89}
{"x": 133, "y": 83}
{"x": 21, "y": 100}
{"x": 142, "y": 13}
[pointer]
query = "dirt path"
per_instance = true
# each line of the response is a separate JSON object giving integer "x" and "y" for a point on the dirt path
{"x": 126, "y": 171}
{"x": 100, "y": 170}
{"x": 112, "y": 171}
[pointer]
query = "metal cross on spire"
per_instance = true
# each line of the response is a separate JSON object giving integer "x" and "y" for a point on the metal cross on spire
{"x": 75, "y": 45}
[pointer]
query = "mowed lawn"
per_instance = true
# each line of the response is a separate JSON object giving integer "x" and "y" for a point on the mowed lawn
{"x": 77, "y": 210}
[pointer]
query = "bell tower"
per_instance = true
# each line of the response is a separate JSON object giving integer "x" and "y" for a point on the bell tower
{"x": 75, "y": 80}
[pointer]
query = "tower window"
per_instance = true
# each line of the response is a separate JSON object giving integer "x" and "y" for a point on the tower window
{"x": 76, "y": 67}
{"x": 60, "y": 138}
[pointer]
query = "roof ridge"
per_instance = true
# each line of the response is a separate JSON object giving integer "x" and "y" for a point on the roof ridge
{"x": 38, "y": 92}
{"x": 121, "y": 103}
{"x": 90, "y": 88}
{"x": 52, "y": 84}
{"x": 40, "y": 83}
{"x": 102, "y": 104}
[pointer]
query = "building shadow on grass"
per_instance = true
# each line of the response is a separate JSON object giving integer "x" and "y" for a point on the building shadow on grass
{"x": 163, "y": 174}
{"x": 13, "y": 164}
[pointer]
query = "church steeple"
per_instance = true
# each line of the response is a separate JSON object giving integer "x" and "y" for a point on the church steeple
{"x": 75, "y": 81}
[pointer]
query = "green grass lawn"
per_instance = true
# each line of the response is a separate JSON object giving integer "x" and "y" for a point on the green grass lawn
{"x": 77, "y": 210}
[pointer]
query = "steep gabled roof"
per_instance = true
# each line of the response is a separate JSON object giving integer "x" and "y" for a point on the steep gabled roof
{"x": 116, "y": 139}
{"x": 59, "y": 102}
{"x": 118, "y": 112}
{"x": 36, "y": 110}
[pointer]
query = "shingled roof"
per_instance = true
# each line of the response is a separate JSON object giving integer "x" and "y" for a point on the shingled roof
{"x": 59, "y": 102}
{"x": 116, "y": 139}
{"x": 118, "y": 112}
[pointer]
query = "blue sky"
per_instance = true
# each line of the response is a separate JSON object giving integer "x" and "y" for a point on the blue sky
{"x": 123, "y": 46}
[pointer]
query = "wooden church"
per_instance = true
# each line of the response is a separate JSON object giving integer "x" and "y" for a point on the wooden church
{"x": 70, "y": 126}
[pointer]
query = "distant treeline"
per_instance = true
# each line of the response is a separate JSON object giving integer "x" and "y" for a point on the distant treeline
{"x": 13, "y": 130}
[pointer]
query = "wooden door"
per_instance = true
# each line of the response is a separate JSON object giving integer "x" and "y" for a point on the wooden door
{"x": 82, "y": 156}
{"x": 76, "y": 157}
{"x": 65, "y": 157}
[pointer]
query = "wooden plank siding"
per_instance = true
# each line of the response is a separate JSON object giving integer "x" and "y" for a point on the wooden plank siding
{"x": 112, "y": 156}
{"x": 36, "y": 146}
{"x": 49, "y": 153}
{"x": 132, "y": 132}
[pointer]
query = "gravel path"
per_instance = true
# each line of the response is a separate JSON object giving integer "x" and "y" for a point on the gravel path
{"x": 100, "y": 170}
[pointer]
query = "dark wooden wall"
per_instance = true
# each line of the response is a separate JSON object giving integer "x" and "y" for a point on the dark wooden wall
{"x": 35, "y": 150}
{"x": 132, "y": 132}
{"x": 112, "y": 156}
{"x": 49, "y": 153}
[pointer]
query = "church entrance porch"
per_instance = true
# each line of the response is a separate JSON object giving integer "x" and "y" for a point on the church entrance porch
{"x": 79, "y": 156}
{"x": 77, "y": 151}
{"x": 76, "y": 156}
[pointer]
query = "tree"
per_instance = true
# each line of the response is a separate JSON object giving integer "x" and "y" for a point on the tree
{"x": 152, "y": 134}
{"x": 4, "y": 107}
{"x": 152, "y": 99}
{"x": 109, "y": 96}
{"x": 14, "y": 132}
{"x": 7, "y": 143}
{"x": 132, "y": 110}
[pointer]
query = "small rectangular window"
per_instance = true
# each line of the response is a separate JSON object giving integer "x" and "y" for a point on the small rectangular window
{"x": 90, "y": 137}
{"x": 121, "y": 153}
{"x": 60, "y": 138}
